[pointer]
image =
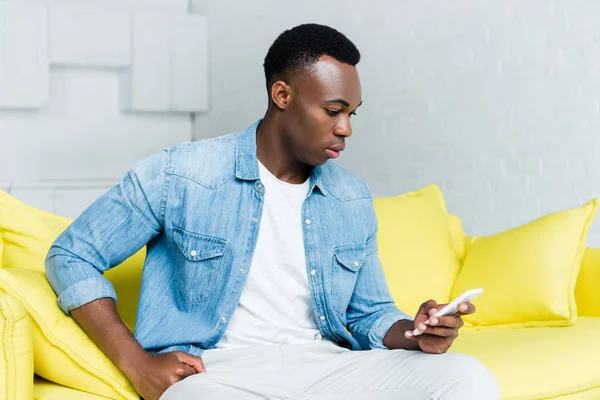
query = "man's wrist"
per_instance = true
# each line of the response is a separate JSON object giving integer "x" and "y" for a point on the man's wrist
{"x": 130, "y": 361}
{"x": 395, "y": 339}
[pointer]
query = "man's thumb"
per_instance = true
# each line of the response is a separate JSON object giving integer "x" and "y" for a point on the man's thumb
{"x": 191, "y": 361}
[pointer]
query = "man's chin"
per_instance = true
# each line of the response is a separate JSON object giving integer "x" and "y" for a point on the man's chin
{"x": 318, "y": 162}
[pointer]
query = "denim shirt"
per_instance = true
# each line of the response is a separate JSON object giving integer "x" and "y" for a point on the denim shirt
{"x": 197, "y": 207}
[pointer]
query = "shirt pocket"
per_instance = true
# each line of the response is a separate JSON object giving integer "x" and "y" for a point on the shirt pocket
{"x": 199, "y": 261}
{"x": 347, "y": 261}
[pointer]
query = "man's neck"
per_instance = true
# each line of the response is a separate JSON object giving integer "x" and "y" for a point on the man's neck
{"x": 274, "y": 153}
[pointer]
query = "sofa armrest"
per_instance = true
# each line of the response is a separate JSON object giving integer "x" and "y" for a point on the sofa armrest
{"x": 586, "y": 292}
{"x": 16, "y": 350}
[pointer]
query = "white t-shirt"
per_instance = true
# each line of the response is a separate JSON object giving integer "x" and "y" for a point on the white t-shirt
{"x": 275, "y": 306}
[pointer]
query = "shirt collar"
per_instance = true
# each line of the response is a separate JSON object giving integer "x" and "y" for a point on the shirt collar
{"x": 246, "y": 162}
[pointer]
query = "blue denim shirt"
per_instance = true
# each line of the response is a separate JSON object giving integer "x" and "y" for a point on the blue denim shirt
{"x": 197, "y": 206}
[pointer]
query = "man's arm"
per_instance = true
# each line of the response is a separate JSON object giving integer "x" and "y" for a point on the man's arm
{"x": 375, "y": 321}
{"x": 112, "y": 229}
{"x": 372, "y": 313}
{"x": 150, "y": 374}
{"x": 100, "y": 320}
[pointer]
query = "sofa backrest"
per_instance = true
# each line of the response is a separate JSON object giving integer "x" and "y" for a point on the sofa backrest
{"x": 25, "y": 230}
{"x": 127, "y": 277}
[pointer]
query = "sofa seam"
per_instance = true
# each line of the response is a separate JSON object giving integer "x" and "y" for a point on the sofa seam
{"x": 9, "y": 355}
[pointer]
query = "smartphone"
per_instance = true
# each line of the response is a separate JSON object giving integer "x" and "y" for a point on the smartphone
{"x": 452, "y": 307}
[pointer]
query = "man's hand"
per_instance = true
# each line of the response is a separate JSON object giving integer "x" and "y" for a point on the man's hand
{"x": 439, "y": 335}
{"x": 153, "y": 374}
{"x": 150, "y": 374}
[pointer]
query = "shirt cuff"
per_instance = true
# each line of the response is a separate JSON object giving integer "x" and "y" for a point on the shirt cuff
{"x": 85, "y": 291}
{"x": 383, "y": 325}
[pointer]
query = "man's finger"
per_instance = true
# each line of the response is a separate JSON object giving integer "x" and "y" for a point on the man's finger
{"x": 434, "y": 344}
{"x": 428, "y": 305}
{"x": 184, "y": 371}
{"x": 192, "y": 361}
{"x": 424, "y": 310}
{"x": 435, "y": 329}
{"x": 465, "y": 308}
{"x": 449, "y": 321}
{"x": 433, "y": 334}
{"x": 410, "y": 335}
{"x": 440, "y": 331}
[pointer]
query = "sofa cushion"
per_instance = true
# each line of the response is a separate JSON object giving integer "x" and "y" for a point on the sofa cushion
{"x": 26, "y": 235}
{"x": 529, "y": 273}
{"x": 63, "y": 352}
{"x": 16, "y": 350}
{"x": 459, "y": 238}
{"x": 46, "y": 390}
{"x": 586, "y": 292}
{"x": 536, "y": 363}
{"x": 416, "y": 247}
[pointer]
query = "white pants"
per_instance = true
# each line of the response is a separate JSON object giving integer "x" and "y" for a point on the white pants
{"x": 325, "y": 371}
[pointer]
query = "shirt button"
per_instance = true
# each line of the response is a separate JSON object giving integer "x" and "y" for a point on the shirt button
{"x": 258, "y": 186}
{"x": 223, "y": 319}
{"x": 242, "y": 270}
{"x": 307, "y": 222}
{"x": 322, "y": 318}
{"x": 254, "y": 220}
{"x": 313, "y": 272}
{"x": 356, "y": 263}
{"x": 193, "y": 253}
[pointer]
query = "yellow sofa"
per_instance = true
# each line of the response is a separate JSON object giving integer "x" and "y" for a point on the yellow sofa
{"x": 530, "y": 363}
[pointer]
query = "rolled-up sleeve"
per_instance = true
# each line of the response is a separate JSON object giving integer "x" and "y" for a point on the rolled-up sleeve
{"x": 109, "y": 231}
{"x": 372, "y": 312}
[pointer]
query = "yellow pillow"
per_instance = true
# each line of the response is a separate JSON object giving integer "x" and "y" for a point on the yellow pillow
{"x": 459, "y": 238}
{"x": 586, "y": 291}
{"x": 28, "y": 234}
{"x": 16, "y": 350}
{"x": 59, "y": 341}
{"x": 26, "y": 237}
{"x": 416, "y": 247}
{"x": 529, "y": 272}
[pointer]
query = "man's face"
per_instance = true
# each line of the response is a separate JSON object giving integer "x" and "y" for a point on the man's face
{"x": 316, "y": 120}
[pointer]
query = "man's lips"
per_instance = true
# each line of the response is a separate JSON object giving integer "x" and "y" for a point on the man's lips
{"x": 334, "y": 151}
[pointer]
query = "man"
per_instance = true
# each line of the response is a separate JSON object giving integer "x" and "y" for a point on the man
{"x": 261, "y": 275}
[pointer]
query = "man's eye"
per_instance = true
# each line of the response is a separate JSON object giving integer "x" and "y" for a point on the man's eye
{"x": 332, "y": 113}
{"x": 352, "y": 113}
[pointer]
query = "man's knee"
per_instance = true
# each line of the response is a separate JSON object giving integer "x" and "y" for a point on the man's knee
{"x": 472, "y": 379}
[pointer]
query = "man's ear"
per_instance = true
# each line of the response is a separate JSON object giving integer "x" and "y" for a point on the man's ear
{"x": 281, "y": 93}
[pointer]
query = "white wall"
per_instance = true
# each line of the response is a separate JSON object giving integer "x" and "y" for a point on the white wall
{"x": 89, "y": 87}
{"x": 498, "y": 102}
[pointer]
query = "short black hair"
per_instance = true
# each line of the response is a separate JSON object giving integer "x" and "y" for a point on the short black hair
{"x": 302, "y": 46}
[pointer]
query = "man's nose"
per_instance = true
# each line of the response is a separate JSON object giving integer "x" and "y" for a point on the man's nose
{"x": 344, "y": 127}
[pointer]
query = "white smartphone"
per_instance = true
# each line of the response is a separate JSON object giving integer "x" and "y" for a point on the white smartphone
{"x": 452, "y": 307}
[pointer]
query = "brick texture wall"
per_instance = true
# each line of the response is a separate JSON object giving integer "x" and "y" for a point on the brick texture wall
{"x": 88, "y": 88}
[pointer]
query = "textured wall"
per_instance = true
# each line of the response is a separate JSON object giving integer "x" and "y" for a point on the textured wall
{"x": 89, "y": 87}
{"x": 498, "y": 102}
